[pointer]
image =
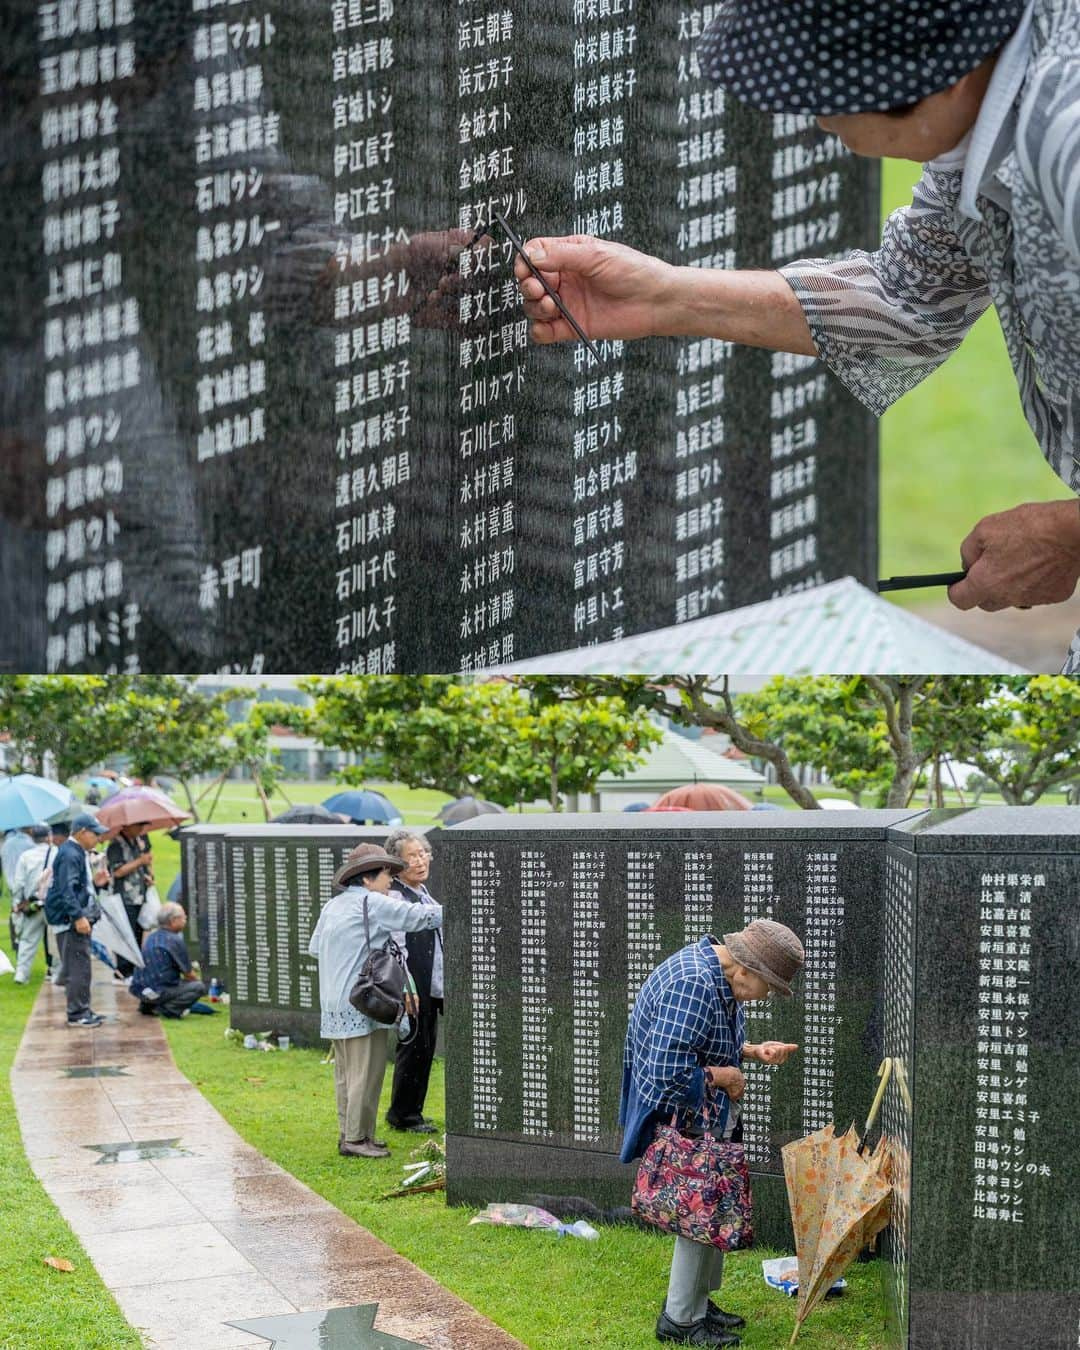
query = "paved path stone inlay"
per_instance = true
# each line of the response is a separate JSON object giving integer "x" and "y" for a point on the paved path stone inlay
{"x": 201, "y": 1239}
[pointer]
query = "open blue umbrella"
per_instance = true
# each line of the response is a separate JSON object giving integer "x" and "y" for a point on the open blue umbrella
{"x": 26, "y": 798}
{"x": 362, "y": 805}
{"x": 103, "y": 784}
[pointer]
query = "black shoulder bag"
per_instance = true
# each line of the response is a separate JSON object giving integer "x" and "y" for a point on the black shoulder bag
{"x": 379, "y": 991}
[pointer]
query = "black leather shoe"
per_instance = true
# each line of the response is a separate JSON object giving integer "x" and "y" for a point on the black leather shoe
{"x": 716, "y": 1319}
{"x": 696, "y": 1333}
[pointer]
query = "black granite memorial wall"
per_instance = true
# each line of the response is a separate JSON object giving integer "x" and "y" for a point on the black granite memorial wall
{"x": 237, "y": 426}
{"x": 277, "y": 879}
{"x": 983, "y": 924}
{"x": 202, "y": 870}
{"x": 553, "y": 924}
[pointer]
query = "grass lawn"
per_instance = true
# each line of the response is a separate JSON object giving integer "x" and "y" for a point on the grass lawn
{"x": 42, "y": 1308}
{"x": 553, "y": 1294}
{"x": 956, "y": 448}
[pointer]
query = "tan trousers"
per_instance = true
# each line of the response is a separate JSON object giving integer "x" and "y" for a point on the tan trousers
{"x": 359, "y": 1066}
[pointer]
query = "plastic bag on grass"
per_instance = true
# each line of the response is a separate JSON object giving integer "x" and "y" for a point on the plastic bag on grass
{"x": 532, "y": 1216}
{"x": 783, "y": 1273}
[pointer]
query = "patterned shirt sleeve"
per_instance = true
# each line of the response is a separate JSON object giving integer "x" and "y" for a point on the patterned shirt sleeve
{"x": 884, "y": 321}
{"x": 1048, "y": 143}
{"x": 682, "y": 1021}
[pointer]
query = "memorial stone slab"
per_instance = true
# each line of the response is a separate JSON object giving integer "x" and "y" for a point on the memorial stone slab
{"x": 554, "y": 924}
{"x": 238, "y": 427}
{"x": 202, "y": 870}
{"x": 278, "y": 878}
{"x": 982, "y": 969}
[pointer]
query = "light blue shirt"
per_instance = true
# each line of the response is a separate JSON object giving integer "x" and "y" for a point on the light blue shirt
{"x": 15, "y": 845}
{"x": 340, "y": 946}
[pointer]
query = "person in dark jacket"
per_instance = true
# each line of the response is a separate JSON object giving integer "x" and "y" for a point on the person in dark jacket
{"x": 412, "y": 1058}
{"x": 71, "y": 909}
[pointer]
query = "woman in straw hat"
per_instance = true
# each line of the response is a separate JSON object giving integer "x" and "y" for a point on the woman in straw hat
{"x": 341, "y": 946}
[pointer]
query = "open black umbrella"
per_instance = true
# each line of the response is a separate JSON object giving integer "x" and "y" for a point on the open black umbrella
{"x": 466, "y": 808}
{"x": 307, "y": 814}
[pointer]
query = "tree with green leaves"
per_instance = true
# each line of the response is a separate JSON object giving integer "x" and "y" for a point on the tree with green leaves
{"x": 168, "y": 726}
{"x": 1035, "y": 743}
{"x": 824, "y": 724}
{"x": 61, "y": 719}
{"x": 875, "y": 733}
{"x": 461, "y": 737}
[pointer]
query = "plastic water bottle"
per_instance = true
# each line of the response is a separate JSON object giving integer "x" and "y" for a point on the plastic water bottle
{"x": 215, "y": 991}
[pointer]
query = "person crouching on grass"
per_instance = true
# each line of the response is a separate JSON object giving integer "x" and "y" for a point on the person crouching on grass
{"x": 684, "y": 1045}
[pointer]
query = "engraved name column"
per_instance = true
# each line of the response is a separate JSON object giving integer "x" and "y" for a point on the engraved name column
{"x": 372, "y": 342}
{"x": 806, "y": 224}
{"x": 704, "y": 209}
{"x": 536, "y": 880}
{"x": 91, "y": 354}
{"x": 759, "y": 901}
{"x": 485, "y": 880}
{"x": 605, "y": 80}
{"x": 1008, "y": 1152}
{"x": 491, "y": 351}
{"x": 824, "y": 919}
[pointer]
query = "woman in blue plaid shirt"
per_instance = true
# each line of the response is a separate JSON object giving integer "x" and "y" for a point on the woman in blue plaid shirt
{"x": 684, "y": 1045}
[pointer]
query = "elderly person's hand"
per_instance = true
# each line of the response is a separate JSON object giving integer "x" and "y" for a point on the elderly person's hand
{"x": 774, "y": 1052}
{"x": 1023, "y": 557}
{"x": 728, "y": 1079}
{"x": 613, "y": 291}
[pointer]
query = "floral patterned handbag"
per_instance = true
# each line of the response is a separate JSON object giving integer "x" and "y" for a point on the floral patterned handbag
{"x": 696, "y": 1188}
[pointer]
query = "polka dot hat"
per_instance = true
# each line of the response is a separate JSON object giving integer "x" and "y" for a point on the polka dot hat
{"x": 848, "y": 56}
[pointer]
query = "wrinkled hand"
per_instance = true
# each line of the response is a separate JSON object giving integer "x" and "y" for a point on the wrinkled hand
{"x": 730, "y": 1080}
{"x": 613, "y": 291}
{"x": 1027, "y": 556}
{"x": 775, "y": 1052}
{"x": 82, "y": 925}
{"x": 412, "y": 1007}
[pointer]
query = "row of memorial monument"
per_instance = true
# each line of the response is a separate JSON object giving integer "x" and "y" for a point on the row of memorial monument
{"x": 946, "y": 943}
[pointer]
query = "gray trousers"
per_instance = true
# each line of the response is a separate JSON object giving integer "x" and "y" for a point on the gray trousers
{"x": 30, "y": 929}
{"x": 175, "y": 999}
{"x": 75, "y": 971}
{"x": 696, "y": 1271}
{"x": 359, "y": 1067}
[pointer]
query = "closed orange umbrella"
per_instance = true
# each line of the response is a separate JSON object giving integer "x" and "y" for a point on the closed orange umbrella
{"x": 840, "y": 1200}
{"x": 702, "y": 797}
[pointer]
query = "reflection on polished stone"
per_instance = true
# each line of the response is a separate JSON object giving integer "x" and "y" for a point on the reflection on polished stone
{"x": 335, "y": 1329}
{"x": 139, "y": 1150}
{"x": 95, "y": 1071}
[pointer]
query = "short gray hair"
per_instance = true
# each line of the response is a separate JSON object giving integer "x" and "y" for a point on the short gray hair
{"x": 168, "y": 912}
{"x": 397, "y": 838}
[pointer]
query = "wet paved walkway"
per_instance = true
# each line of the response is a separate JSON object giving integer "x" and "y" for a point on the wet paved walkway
{"x": 191, "y": 1228}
